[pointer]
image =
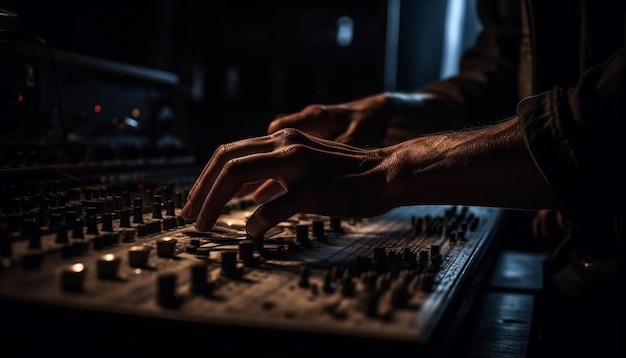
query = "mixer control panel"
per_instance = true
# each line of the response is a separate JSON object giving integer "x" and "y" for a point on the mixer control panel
{"x": 389, "y": 278}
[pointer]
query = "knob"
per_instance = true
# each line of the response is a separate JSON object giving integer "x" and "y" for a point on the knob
{"x": 170, "y": 209}
{"x": 124, "y": 218}
{"x": 166, "y": 246}
{"x": 107, "y": 266}
{"x": 199, "y": 278}
{"x": 166, "y": 290}
{"x": 229, "y": 262}
{"x": 92, "y": 225}
{"x": 156, "y": 210}
{"x": 61, "y": 234}
{"x": 77, "y": 229}
{"x": 318, "y": 230}
{"x": 302, "y": 234}
{"x": 73, "y": 277}
{"x": 246, "y": 252}
{"x": 138, "y": 256}
{"x": 138, "y": 215}
{"x": 335, "y": 225}
{"x": 6, "y": 241}
{"x": 32, "y": 232}
{"x": 107, "y": 222}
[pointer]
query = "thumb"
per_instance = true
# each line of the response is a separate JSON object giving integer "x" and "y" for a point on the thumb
{"x": 272, "y": 213}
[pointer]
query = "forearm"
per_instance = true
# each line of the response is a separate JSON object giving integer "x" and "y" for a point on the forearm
{"x": 490, "y": 166}
{"x": 419, "y": 113}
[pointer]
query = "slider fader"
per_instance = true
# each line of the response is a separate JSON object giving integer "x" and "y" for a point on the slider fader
{"x": 119, "y": 268}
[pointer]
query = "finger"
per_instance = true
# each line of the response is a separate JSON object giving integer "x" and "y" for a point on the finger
{"x": 247, "y": 189}
{"x": 271, "y": 213}
{"x": 222, "y": 155}
{"x": 278, "y": 166}
{"x": 266, "y": 191}
{"x": 317, "y": 120}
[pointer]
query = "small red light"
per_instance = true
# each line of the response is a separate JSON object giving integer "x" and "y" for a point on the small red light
{"x": 20, "y": 98}
{"x": 97, "y": 108}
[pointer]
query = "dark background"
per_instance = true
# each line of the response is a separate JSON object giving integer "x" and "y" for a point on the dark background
{"x": 242, "y": 62}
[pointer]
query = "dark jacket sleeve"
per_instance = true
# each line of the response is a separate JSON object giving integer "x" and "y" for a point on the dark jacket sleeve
{"x": 577, "y": 137}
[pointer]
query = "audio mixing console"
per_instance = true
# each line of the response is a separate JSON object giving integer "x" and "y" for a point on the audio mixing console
{"x": 76, "y": 257}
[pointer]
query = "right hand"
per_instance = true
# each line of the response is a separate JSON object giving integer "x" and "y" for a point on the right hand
{"x": 362, "y": 122}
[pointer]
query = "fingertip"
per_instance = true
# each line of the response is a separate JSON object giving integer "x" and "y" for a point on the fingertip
{"x": 186, "y": 211}
{"x": 269, "y": 215}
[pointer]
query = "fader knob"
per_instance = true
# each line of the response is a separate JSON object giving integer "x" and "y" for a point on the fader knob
{"x": 32, "y": 232}
{"x": 107, "y": 222}
{"x": 166, "y": 246}
{"x": 77, "y": 229}
{"x": 92, "y": 225}
{"x": 199, "y": 278}
{"x": 318, "y": 230}
{"x": 124, "y": 218}
{"x": 6, "y": 241}
{"x": 107, "y": 266}
{"x": 156, "y": 210}
{"x": 246, "y": 252}
{"x": 138, "y": 215}
{"x": 335, "y": 225}
{"x": 138, "y": 256}
{"x": 302, "y": 235}
{"x": 166, "y": 290}
{"x": 229, "y": 262}
{"x": 170, "y": 209}
{"x": 73, "y": 277}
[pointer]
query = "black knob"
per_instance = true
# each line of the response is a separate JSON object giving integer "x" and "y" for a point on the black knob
{"x": 138, "y": 256}
{"x": 138, "y": 215}
{"x": 92, "y": 225}
{"x": 302, "y": 234}
{"x": 156, "y": 210}
{"x": 61, "y": 234}
{"x": 77, "y": 229}
{"x": 6, "y": 241}
{"x": 73, "y": 277}
{"x": 229, "y": 262}
{"x": 166, "y": 246}
{"x": 199, "y": 278}
{"x": 246, "y": 252}
{"x": 170, "y": 209}
{"x": 335, "y": 225}
{"x": 124, "y": 218}
{"x": 107, "y": 266}
{"x": 318, "y": 230}
{"x": 107, "y": 222}
{"x": 32, "y": 232}
{"x": 166, "y": 290}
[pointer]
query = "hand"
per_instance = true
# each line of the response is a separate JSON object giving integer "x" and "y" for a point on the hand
{"x": 316, "y": 176}
{"x": 361, "y": 123}
{"x": 364, "y": 123}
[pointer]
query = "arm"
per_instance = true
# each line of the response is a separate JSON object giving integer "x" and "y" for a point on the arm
{"x": 487, "y": 166}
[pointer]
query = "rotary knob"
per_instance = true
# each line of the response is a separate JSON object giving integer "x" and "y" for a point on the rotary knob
{"x": 107, "y": 266}
{"x": 138, "y": 256}
{"x": 73, "y": 277}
